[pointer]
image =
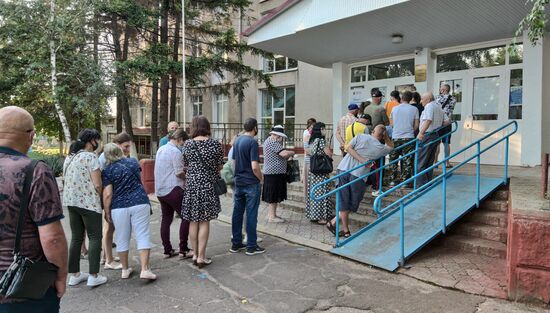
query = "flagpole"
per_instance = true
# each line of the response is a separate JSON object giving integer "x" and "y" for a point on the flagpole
{"x": 183, "y": 98}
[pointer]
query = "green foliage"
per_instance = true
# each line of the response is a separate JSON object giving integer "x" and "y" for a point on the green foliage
{"x": 51, "y": 157}
{"x": 535, "y": 22}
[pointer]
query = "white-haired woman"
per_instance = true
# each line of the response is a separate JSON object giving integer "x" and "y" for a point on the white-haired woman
{"x": 127, "y": 206}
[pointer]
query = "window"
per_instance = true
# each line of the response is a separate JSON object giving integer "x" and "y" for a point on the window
{"x": 358, "y": 74}
{"x": 516, "y": 94}
{"x": 221, "y": 108}
{"x": 279, "y": 109}
{"x": 197, "y": 104}
{"x": 279, "y": 63}
{"x": 456, "y": 91}
{"x": 486, "y": 98}
{"x": 142, "y": 116}
{"x": 471, "y": 59}
{"x": 391, "y": 69}
{"x": 516, "y": 54}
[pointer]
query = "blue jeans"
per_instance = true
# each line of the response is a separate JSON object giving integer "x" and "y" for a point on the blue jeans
{"x": 246, "y": 199}
{"x": 48, "y": 304}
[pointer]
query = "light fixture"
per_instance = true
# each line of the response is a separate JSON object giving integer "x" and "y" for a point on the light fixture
{"x": 397, "y": 38}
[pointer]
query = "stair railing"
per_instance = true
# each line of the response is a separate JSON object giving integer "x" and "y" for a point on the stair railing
{"x": 380, "y": 170}
{"x": 407, "y": 199}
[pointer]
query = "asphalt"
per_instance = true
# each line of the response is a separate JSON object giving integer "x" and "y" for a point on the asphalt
{"x": 287, "y": 278}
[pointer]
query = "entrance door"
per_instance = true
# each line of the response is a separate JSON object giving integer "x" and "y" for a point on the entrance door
{"x": 386, "y": 86}
{"x": 482, "y": 106}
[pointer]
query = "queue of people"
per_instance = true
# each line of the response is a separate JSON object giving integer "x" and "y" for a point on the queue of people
{"x": 107, "y": 202}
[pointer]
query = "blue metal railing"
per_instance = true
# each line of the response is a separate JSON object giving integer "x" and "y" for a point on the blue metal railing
{"x": 380, "y": 170}
{"x": 417, "y": 192}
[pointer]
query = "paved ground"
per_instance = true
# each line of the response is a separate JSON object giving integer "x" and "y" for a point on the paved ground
{"x": 287, "y": 278}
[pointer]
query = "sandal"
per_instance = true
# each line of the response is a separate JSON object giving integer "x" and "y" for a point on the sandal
{"x": 321, "y": 222}
{"x": 344, "y": 234}
{"x": 186, "y": 254}
{"x": 331, "y": 228}
{"x": 170, "y": 254}
{"x": 203, "y": 263}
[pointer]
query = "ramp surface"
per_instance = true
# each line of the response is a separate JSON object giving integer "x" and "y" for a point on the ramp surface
{"x": 379, "y": 244}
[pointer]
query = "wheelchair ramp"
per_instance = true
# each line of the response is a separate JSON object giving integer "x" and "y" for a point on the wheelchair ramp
{"x": 379, "y": 244}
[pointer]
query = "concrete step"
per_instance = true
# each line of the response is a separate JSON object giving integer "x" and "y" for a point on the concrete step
{"x": 361, "y": 218}
{"x": 494, "y": 205}
{"x": 368, "y": 199}
{"x": 500, "y": 194}
{"x": 479, "y": 246}
{"x": 492, "y": 218}
{"x": 481, "y": 231}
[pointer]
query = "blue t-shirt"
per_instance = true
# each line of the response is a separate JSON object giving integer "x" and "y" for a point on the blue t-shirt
{"x": 245, "y": 150}
{"x": 164, "y": 140}
{"x": 124, "y": 175}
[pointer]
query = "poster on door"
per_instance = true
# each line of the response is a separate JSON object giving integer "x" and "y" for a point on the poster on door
{"x": 357, "y": 94}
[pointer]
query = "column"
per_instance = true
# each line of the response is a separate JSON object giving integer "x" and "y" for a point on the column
{"x": 339, "y": 98}
{"x": 423, "y": 57}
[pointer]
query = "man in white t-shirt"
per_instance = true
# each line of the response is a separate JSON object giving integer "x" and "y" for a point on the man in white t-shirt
{"x": 361, "y": 149}
{"x": 404, "y": 120}
{"x": 432, "y": 118}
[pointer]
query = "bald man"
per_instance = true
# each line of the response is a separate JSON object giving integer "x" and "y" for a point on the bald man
{"x": 172, "y": 126}
{"x": 431, "y": 119}
{"x": 43, "y": 233}
{"x": 361, "y": 150}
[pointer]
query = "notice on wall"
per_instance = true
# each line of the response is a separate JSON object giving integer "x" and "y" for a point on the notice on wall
{"x": 357, "y": 94}
{"x": 420, "y": 73}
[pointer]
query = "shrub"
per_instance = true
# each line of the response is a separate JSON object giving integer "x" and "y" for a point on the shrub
{"x": 55, "y": 163}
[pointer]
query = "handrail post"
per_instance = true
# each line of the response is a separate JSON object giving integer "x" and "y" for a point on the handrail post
{"x": 478, "y": 173}
{"x": 402, "y": 234}
{"x": 337, "y": 224}
{"x": 505, "y": 178}
{"x": 381, "y": 174}
{"x": 444, "y": 199}
{"x": 415, "y": 163}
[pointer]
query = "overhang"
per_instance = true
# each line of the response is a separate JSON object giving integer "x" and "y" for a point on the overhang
{"x": 323, "y": 32}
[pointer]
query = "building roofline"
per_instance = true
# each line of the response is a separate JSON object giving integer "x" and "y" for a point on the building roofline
{"x": 268, "y": 17}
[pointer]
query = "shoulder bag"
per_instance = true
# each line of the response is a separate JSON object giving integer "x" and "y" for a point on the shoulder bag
{"x": 219, "y": 184}
{"x": 26, "y": 279}
{"x": 320, "y": 163}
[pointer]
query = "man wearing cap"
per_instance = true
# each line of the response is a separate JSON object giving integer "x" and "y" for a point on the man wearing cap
{"x": 358, "y": 127}
{"x": 376, "y": 110}
{"x": 343, "y": 124}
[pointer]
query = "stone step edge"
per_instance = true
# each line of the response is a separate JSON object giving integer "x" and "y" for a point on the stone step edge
{"x": 459, "y": 241}
{"x": 464, "y": 228}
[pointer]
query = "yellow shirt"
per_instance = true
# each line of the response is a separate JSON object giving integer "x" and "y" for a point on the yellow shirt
{"x": 358, "y": 128}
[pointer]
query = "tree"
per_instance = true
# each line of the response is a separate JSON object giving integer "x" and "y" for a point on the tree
{"x": 535, "y": 22}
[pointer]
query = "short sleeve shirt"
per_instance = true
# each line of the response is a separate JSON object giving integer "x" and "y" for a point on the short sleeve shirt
{"x": 366, "y": 146}
{"x": 124, "y": 176}
{"x": 164, "y": 140}
{"x": 344, "y": 122}
{"x": 273, "y": 163}
{"x": 44, "y": 206}
{"x": 245, "y": 151}
{"x": 447, "y": 103}
{"x": 377, "y": 113}
{"x": 355, "y": 129}
{"x": 432, "y": 112}
{"x": 79, "y": 190}
{"x": 403, "y": 117}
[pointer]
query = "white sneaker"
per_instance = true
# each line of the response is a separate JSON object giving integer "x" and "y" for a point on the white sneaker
{"x": 112, "y": 266}
{"x": 147, "y": 274}
{"x": 96, "y": 281}
{"x": 375, "y": 193}
{"x": 75, "y": 280}
{"x": 126, "y": 273}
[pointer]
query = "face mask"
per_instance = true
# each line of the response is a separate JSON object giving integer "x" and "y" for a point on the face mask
{"x": 323, "y": 132}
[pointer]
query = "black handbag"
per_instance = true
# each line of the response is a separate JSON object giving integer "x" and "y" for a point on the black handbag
{"x": 26, "y": 279}
{"x": 219, "y": 184}
{"x": 320, "y": 163}
{"x": 292, "y": 171}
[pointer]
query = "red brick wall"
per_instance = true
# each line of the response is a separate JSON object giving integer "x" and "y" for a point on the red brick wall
{"x": 528, "y": 255}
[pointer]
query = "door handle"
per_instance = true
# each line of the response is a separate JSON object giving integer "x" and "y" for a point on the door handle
{"x": 469, "y": 122}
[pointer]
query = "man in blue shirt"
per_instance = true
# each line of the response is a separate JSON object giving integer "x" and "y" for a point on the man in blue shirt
{"x": 247, "y": 189}
{"x": 172, "y": 126}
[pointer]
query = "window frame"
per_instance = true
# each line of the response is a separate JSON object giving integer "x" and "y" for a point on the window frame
{"x": 266, "y": 70}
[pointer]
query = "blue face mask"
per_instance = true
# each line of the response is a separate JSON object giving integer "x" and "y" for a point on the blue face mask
{"x": 30, "y": 150}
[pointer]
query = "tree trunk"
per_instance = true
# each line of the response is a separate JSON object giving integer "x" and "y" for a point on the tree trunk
{"x": 165, "y": 79}
{"x": 174, "y": 83}
{"x": 124, "y": 87}
{"x": 118, "y": 55}
{"x": 53, "y": 57}
{"x": 97, "y": 120}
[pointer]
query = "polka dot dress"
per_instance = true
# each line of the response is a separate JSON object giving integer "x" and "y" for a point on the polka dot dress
{"x": 200, "y": 201}
{"x": 318, "y": 210}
